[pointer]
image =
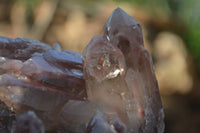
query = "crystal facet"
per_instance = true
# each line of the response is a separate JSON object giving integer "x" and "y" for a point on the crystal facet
{"x": 115, "y": 71}
{"x": 119, "y": 72}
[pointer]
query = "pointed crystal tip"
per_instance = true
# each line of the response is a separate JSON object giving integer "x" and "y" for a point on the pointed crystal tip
{"x": 120, "y": 17}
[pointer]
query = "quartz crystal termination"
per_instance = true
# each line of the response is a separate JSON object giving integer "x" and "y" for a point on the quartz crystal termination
{"x": 119, "y": 72}
{"x": 28, "y": 123}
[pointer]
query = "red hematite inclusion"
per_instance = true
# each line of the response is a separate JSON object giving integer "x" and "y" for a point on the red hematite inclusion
{"x": 119, "y": 72}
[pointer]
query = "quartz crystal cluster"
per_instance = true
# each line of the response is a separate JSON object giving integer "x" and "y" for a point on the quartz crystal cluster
{"x": 119, "y": 72}
{"x": 110, "y": 88}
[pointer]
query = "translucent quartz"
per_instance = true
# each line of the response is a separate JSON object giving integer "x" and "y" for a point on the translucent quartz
{"x": 119, "y": 72}
{"x": 39, "y": 78}
{"x": 122, "y": 90}
{"x": 28, "y": 123}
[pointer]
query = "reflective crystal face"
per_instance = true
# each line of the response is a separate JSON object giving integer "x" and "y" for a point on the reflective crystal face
{"x": 116, "y": 73}
{"x": 119, "y": 73}
{"x": 103, "y": 60}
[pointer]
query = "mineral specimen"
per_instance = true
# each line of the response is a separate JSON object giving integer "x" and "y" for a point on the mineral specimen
{"x": 119, "y": 73}
{"x": 111, "y": 89}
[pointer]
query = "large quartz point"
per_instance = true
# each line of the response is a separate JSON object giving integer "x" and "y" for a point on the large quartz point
{"x": 119, "y": 73}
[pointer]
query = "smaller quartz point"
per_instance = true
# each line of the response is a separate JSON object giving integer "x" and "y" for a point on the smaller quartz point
{"x": 119, "y": 72}
{"x": 120, "y": 127}
{"x": 99, "y": 124}
{"x": 76, "y": 115}
{"x": 103, "y": 60}
{"x": 28, "y": 123}
{"x": 102, "y": 64}
{"x": 21, "y": 48}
